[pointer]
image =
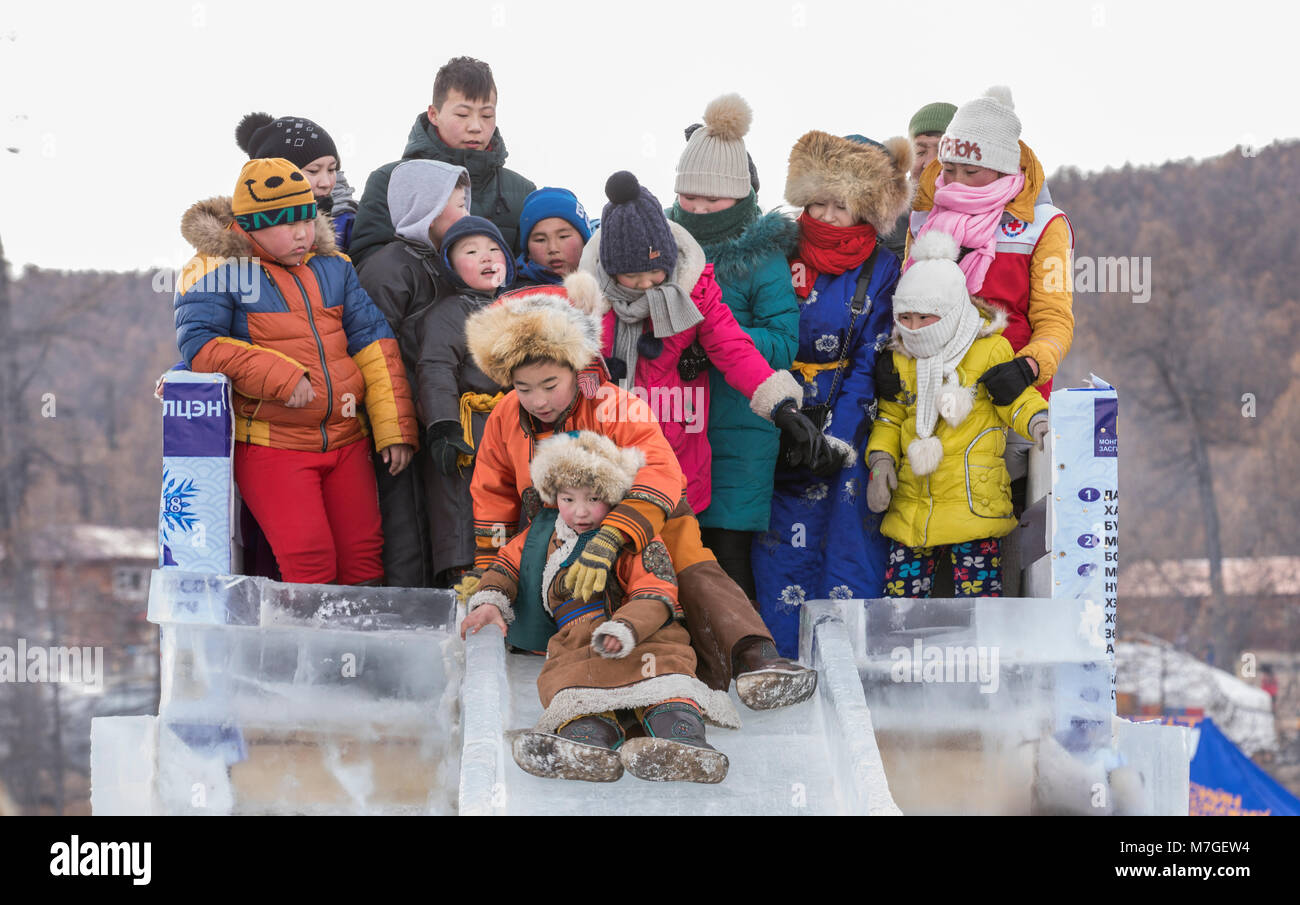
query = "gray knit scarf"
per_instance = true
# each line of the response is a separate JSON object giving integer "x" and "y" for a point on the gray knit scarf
{"x": 668, "y": 306}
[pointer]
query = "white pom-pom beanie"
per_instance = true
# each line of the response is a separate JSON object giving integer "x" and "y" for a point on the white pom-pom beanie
{"x": 984, "y": 132}
{"x": 935, "y": 285}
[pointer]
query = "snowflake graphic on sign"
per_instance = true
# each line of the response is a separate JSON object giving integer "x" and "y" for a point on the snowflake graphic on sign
{"x": 177, "y": 497}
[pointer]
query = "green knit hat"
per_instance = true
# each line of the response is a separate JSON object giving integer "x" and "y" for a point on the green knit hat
{"x": 931, "y": 118}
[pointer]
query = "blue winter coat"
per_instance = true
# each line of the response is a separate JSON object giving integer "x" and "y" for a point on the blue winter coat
{"x": 753, "y": 270}
{"x": 823, "y": 542}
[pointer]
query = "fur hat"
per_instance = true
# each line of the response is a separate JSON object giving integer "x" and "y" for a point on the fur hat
{"x": 585, "y": 459}
{"x": 870, "y": 178}
{"x": 984, "y": 132}
{"x": 715, "y": 162}
{"x": 553, "y": 323}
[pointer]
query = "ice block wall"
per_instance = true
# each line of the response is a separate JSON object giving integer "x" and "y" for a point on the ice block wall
{"x": 286, "y": 698}
{"x": 984, "y": 705}
{"x": 196, "y": 514}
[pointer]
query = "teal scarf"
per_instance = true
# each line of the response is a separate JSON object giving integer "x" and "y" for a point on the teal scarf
{"x": 719, "y": 226}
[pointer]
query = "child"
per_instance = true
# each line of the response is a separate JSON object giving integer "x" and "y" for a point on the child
{"x": 850, "y": 189}
{"x": 542, "y": 344}
{"x": 553, "y": 229}
{"x": 308, "y": 147}
{"x": 660, "y": 300}
{"x": 988, "y": 191}
{"x": 459, "y": 128}
{"x": 455, "y": 396}
{"x": 936, "y": 459}
{"x": 595, "y": 662}
{"x": 304, "y": 349}
{"x": 405, "y": 279}
{"x": 750, "y": 252}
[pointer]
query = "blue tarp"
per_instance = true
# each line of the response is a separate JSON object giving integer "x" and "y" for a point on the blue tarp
{"x": 1226, "y": 782}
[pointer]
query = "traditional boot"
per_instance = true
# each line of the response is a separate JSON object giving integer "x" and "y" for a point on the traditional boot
{"x": 765, "y": 679}
{"x": 584, "y": 749}
{"x": 674, "y": 749}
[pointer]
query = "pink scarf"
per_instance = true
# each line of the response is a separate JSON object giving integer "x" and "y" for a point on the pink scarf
{"x": 971, "y": 216}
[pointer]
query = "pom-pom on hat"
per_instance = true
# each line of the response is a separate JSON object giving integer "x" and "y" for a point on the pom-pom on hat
{"x": 271, "y": 192}
{"x": 587, "y": 460}
{"x": 869, "y": 177}
{"x": 548, "y": 202}
{"x": 984, "y": 132}
{"x": 634, "y": 233}
{"x": 714, "y": 162}
{"x": 547, "y": 323}
{"x": 295, "y": 138}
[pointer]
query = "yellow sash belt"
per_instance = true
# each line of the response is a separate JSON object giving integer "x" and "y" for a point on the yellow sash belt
{"x": 470, "y": 403}
{"x": 809, "y": 372}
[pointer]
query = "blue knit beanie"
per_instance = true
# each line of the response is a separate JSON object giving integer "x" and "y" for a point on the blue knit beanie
{"x": 552, "y": 202}
{"x": 634, "y": 233}
{"x": 474, "y": 226}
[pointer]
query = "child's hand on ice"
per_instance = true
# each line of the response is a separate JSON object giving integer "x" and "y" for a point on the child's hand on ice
{"x": 487, "y": 614}
{"x": 302, "y": 394}
{"x": 397, "y": 457}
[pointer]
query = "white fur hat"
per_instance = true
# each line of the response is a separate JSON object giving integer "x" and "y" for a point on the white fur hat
{"x": 984, "y": 132}
{"x": 585, "y": 459}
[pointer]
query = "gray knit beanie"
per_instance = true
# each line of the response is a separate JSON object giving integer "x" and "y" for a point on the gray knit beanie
{"x": 715, "y": 163}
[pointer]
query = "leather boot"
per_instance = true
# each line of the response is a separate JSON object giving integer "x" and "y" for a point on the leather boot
{"x": 765, "y": 679}
{"x": 674, "y": 749}
{"x": 584, "y": 749}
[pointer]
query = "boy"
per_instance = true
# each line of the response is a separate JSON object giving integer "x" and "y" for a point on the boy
{"x": 455, "y": 396}
{"x": 403, "y": 278}
{"x": 553, "y": 229}
{"x": 459, "y": 128}
{"x": 544, "y": 345}
{"x": 303, "y": 349}
{"x": 924, "y": 130}
{"x": 595, "y": 661}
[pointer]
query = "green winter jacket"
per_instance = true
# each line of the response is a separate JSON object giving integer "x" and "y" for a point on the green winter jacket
{"x": 495, "y": 192}
{"x": 753, "y": 270}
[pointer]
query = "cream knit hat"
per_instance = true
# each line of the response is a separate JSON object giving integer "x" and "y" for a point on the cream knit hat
{"x": 715, "y": 163}
{"x": 984, "y": 132}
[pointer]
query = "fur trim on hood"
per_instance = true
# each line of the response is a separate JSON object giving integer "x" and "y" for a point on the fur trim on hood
{"x": 736, "y": 259}
{"x": 690, "y": 259}
{"x": 585, "y": 459}
{"x": 545, "y": 322}
{"x": 870, "y": 179}
{"x": 995, "y": 321}
{"x": 206, "y": 226}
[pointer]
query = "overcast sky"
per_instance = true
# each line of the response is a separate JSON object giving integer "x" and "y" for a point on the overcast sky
{"x": 122, "y": 114}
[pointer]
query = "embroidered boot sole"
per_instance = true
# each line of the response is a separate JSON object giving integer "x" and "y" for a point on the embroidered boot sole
{"x": 664, "y": 760}
{"x": 552, "y": 757}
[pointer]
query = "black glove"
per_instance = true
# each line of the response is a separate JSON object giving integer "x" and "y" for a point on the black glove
{"x": 831, "y": 463}
{"x": 806, "y": 443}
{"x": 692, "y": 362}
{"x": 1008, "y": 380}
{"x": 888, "y": 383}
{"x": 446, "y": 441}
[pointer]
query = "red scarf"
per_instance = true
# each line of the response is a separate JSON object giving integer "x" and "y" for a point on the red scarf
{"x": 824, "y": 248}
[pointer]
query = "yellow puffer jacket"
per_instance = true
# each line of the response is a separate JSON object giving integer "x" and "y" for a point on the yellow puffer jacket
{"x": 969, "y": 496}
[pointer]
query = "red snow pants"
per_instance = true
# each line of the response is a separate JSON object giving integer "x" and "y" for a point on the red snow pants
{"x": 320, "y": 511}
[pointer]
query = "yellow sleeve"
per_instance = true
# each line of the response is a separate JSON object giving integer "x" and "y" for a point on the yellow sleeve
{"x": 1051, "y": 315}
{"x": 887, "y": 430}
